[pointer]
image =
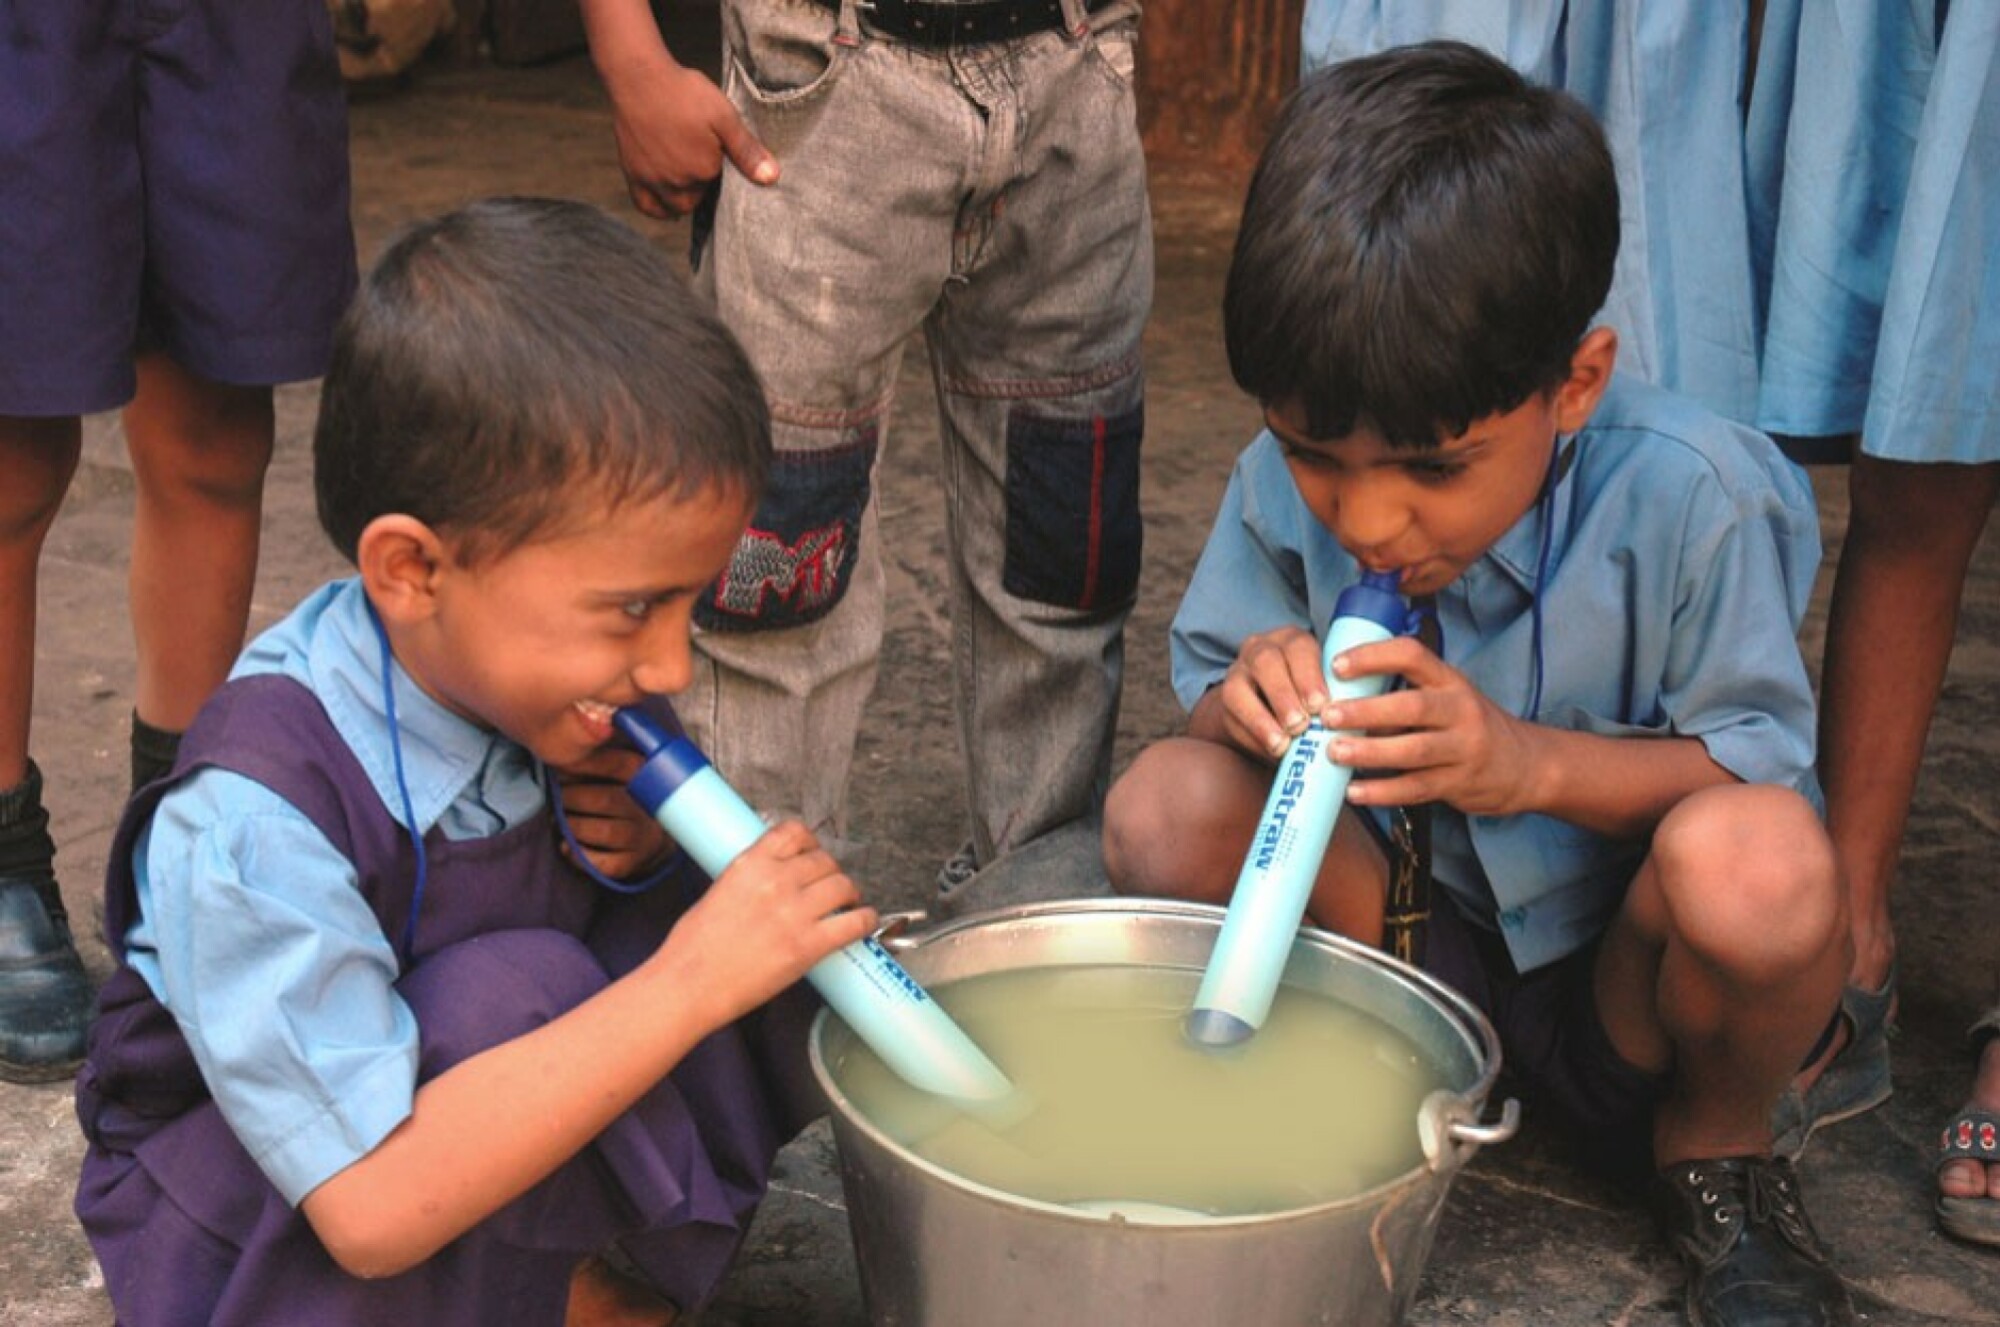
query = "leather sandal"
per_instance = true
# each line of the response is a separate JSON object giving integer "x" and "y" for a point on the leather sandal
{"x": 1972, "y": 1135}
{"x": 1854, "y": 1082}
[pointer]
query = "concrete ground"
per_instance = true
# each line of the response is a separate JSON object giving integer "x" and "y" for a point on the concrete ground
{"x": 1524, "y": 1238}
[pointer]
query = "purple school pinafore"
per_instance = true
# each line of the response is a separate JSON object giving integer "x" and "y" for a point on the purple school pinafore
{"x": 188, "y": 1229}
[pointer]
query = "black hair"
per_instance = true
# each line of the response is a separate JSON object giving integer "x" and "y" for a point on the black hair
{"x": 505, "y": 359}
{"x": 1425, "y": 242}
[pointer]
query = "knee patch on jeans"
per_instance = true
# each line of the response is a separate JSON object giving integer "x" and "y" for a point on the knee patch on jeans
{"x": 1073, "y": 526}
{"x": 795, "y": 561}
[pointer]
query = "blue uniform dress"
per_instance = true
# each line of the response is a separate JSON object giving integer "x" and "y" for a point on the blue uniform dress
{"x": 1666, "y": 82}
{"x": 1880, "y": 173}
{"x": 285, "y": 987}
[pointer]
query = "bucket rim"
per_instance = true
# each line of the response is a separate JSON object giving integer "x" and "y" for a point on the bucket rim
{"x": 1461, "y": 1010}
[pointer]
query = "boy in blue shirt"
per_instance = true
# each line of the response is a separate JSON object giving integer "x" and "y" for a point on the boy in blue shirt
{"x": 1614, "y": 728}
{"x": 379, "y": 1049}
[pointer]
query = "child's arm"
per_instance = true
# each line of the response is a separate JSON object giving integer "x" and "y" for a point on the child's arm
{"x": 491, "y": 1127}
{"x": 615, "y": 833}
{"x": 674, "y": 127}
{"x": 1448, "y": 743}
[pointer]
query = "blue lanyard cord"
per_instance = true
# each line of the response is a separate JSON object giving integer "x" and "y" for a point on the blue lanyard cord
{"x": 652, "y": 881}
{"x": 1558, "y": 464}
{"x": 402, "y": 788}
{"x": 582, "y": 862}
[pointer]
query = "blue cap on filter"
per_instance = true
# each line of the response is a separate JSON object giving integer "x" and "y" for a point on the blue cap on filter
{"x": 1376, "y": 598}
{"x": 670, "y": 761}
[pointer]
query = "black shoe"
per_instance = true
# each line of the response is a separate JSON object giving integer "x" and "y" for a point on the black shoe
{"x": 1753, "y": 1259}
{"x": 45, "y": 998}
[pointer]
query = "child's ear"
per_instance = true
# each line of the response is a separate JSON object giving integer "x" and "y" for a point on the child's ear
{"x": 399, "y": 558}
{"x": 1589, "y": 374}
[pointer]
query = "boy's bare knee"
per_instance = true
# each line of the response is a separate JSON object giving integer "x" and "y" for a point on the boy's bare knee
{"x": 1170, "y": 822}
{"x": 1750, "y": 879}
{"x": 1131, "y": 812}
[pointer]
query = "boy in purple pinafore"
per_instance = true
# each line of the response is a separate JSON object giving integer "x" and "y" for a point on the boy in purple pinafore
{"x": 382, "y": 1046}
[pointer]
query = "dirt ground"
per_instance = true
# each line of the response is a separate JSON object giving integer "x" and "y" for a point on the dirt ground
{"x": 1525, "y": 1237}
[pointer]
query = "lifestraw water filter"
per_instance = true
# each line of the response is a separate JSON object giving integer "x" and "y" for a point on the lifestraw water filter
{"x": 1269, "y": 901}
{"x": 869, "y": 989}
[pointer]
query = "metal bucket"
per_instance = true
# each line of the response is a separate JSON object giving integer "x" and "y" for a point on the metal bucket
{"x": 938, "y": 1250}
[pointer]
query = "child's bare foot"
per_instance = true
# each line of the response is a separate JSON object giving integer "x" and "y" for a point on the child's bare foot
{"x": 601, "y": 1296}
{"x": 1969, "y": 1186}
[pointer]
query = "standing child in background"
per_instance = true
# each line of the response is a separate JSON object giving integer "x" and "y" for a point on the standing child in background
{"x": 1616, "y": 727}
{"x": 377, "y": 1051}
{"x": 972, "y": 172}
{"x": 1881, "y": 351}
{"x": 174, "y": 239}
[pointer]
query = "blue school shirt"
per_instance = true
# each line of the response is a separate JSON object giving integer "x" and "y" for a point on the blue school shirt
{"x": 1681, "y": 554}
{"x": 245, "y": 907}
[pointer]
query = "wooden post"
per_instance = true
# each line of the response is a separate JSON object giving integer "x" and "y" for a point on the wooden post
{"x": 1211, "y": 75}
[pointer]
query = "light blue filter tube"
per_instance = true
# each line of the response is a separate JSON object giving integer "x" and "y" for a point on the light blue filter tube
{"x": 866, "y": 986}
{"x": 1269, "y": 901}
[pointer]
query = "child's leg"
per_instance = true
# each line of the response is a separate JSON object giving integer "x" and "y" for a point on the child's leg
{"x": 1722, "y": 968}
{"x": 199, "y": 451}
{"x": 602, "y": 1296}
{"x": 45, "y": 997}
{"x": 1725, "y": 964}
{"x": 37, "y": 456}
{"x": 1178, "y": 823}
{"x": 1911, "y": 532}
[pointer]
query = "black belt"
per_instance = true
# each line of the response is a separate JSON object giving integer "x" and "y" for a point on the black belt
{"x": 968, "y": 23}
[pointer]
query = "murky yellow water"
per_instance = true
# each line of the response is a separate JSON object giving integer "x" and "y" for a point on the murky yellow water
{"x": 1319, "y": 1105}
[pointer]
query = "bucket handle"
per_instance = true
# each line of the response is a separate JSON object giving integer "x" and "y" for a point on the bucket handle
{"x": 1448, "y": 1126}
{"x": 1485, "y": 1135}
{"x": 893, "y": 929}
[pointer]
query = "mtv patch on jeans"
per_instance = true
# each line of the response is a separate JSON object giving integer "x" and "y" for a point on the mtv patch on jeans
{"x": 794, "y": 562}
{"x": 1073, "y": 525}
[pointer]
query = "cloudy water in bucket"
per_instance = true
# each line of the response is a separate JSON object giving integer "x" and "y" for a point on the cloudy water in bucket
{"x": 1319, "y": 1106}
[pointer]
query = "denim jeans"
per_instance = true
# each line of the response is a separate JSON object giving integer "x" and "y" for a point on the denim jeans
{"x": 993, "y": 196}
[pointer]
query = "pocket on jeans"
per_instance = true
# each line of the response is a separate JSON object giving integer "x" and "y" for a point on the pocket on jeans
{"x": 1115, "y": 51}
{"x": 780, "y": 55}
{"x": 1074, "y": 532}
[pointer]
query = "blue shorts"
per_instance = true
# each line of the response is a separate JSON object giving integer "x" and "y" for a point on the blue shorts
{"x": 1554, "y": 1050}
{"x": 176, "y": 165}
